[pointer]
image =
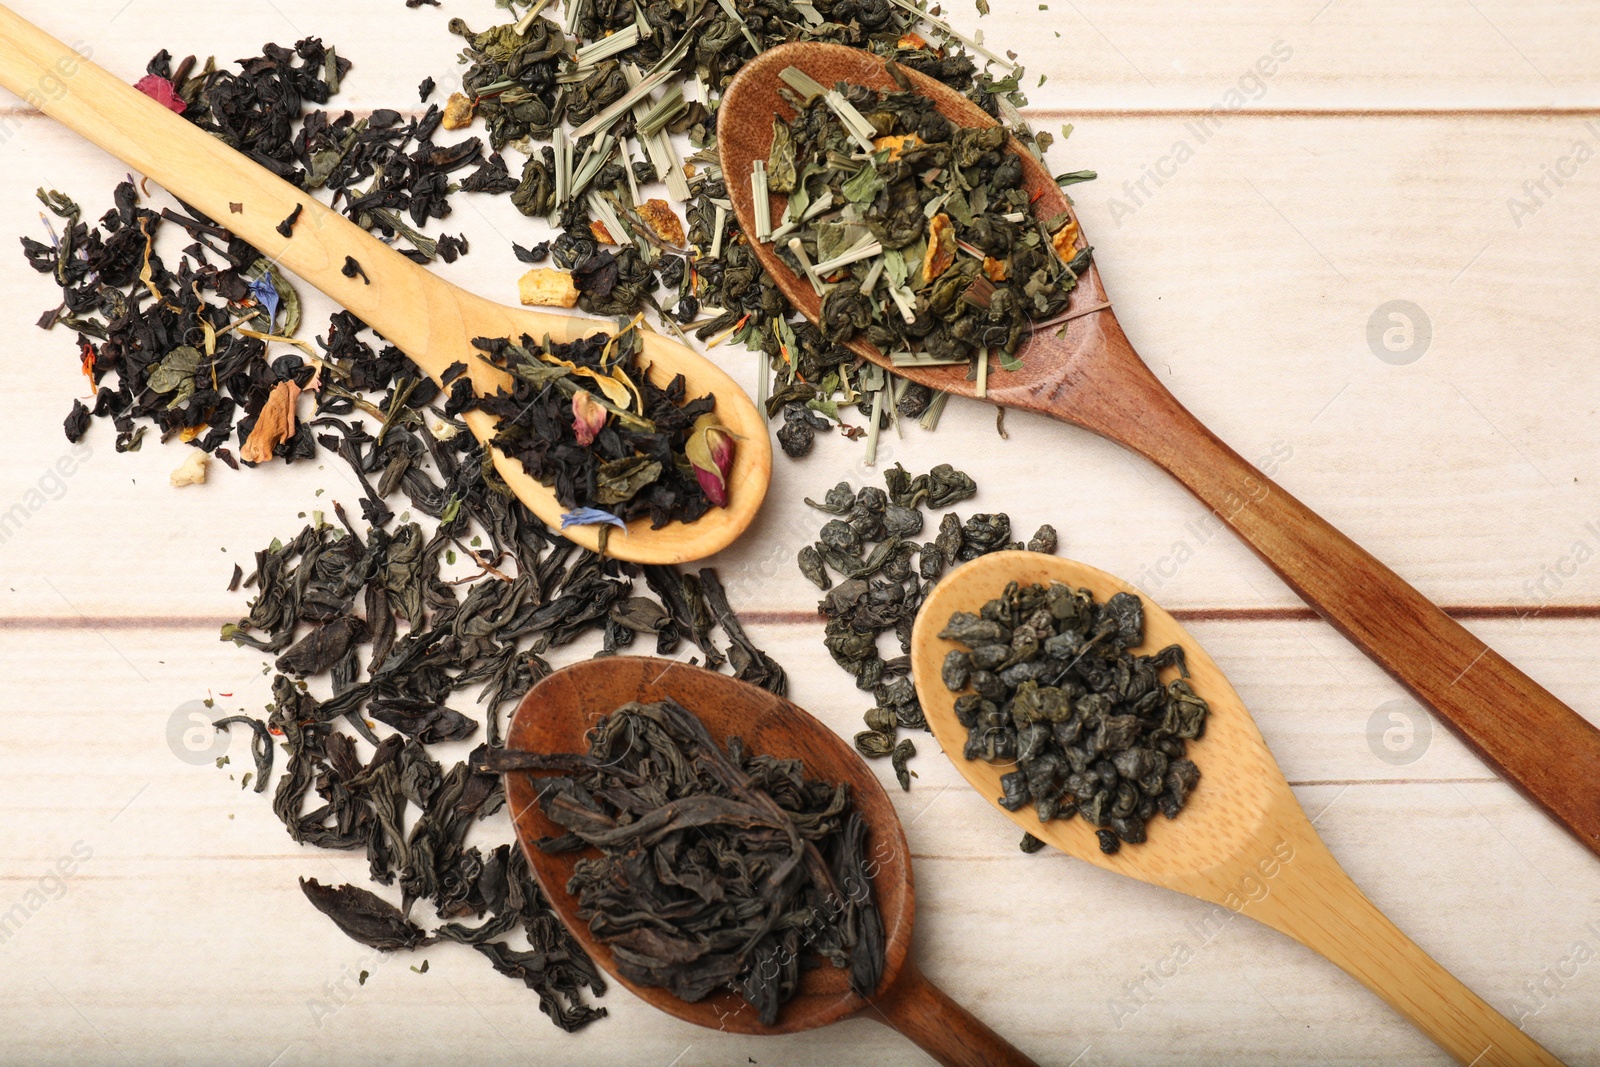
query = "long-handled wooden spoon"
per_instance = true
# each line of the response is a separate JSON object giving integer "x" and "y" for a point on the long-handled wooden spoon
{"x": 1242, "y": 840}
{"x": 430, "y": 320}
{"x": 1088, "y": 374}
{"x": 554, "y": 717}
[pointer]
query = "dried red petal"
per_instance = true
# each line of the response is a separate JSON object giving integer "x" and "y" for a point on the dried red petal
{"x": 161, "y": 91}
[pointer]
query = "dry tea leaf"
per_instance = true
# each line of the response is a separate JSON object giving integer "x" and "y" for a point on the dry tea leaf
{"x": 1049, "y": 684}
{"x": 656, "y": 793}
{"x": 363, "y": 915}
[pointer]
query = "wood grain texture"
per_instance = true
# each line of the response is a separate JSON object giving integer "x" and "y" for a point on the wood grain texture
{"x": 555, "y": 718}
{"x": 1487, "y": 885}
{"x": 431, "y": 320}
{"x": 1377, "y": 164}
{"x": 1242, "y": 841}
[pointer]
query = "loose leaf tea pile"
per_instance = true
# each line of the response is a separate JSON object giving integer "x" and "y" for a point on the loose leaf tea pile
{"x": 587, "y": 420}
{"x": 363, "y": 610}
{"x": 916, "y": 233}
{"x": 718, "y": 869}
{"x": 185, "y": 347}
{"x": 638, "y": 73}
{"x": 376, "y": 647}
{"x": 591, "y": 106}
{"x": 1050, "y": 683}
{"x": 887, "y": 574}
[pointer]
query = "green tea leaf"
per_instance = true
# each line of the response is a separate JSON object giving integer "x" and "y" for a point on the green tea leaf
{"x": 1076, "y": 176}
{"x": 895, "y": 268}
{"x": 622, "y": 479}
{"x": 780, "y": 161}
{"x": 864, "y": 187}
{"x": 175, "y": 372}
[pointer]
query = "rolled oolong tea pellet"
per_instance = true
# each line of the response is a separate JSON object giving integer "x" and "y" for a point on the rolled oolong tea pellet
{"x": 872, "y": 543}
{"x": 1055, "y": 687}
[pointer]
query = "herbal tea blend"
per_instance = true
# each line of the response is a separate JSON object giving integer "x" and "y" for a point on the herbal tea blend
{"x": 591, "y": 107}
{"x": 185, "y": 347}
{"x": 640, "y": 76}
{"x": 586, "y": 419}
{"x": 873, "y": 545}
{"x": 718, "y": 869}
{"x": 916, "y": 233}
{"x": 1049, "y": 682}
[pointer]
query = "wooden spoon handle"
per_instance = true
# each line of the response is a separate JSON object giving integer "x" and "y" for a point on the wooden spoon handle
{"x": 1513, "y": 723}
{"x": 1310, "y": 898}
{"x": 941, "y": 1027}
{"x": 402, "y": 300}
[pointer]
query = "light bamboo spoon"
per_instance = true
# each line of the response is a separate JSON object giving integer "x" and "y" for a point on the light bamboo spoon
{"x": 1090, "y": 375}
{"x": 1242, "y": 841}
{"x": 555, "y": 716}
{"x": 426, "y": 317}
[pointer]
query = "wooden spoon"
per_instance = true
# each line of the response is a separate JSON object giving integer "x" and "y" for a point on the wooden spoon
{"x": 1088, "y": 374}
{"x": 1242, "y": 840}
{"x": 554, "y": 717}
{"x": 426, "y": 317}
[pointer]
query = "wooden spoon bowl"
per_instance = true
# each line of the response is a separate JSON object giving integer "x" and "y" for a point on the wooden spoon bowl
{"x": 1087, "y": 373}
{"x": 744, "y": 134}
{"x": 555, "y": 717}
{"x": 430, "y": 320}
{"x": 1241, "y": 841}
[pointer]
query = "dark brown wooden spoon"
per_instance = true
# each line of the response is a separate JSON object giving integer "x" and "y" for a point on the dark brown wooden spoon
{"x": 1088, "y": 374}
{"x": 554, "y": 717}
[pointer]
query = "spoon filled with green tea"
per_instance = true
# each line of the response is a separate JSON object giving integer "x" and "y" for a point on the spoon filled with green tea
{"x": 1231, "y": 833}
{"x": 432, "y": 321}
{"x": 698, "y": 914}
{"x": 1078, "y": 367}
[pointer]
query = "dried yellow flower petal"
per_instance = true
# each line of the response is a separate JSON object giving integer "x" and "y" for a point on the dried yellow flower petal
{"x": 274, "y": 425}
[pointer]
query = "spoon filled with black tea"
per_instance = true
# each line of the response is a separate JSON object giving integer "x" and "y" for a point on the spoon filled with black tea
{"x": 724, "y": 855}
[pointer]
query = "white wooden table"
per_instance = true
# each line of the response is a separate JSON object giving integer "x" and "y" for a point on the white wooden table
{"x": 1254, "y": 258}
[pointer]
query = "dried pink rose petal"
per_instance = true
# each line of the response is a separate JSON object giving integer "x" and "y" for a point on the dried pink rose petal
{"x": 161, "y": 91}
{"x": 588, "y": 417}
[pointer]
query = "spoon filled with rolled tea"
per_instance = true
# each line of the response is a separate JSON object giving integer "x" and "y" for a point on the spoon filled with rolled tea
{"x": 724, "y": 855}
{"x": 1102, "y": 728}
{"x": 588, "y": 431}
{"x": 897, "y": 215}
